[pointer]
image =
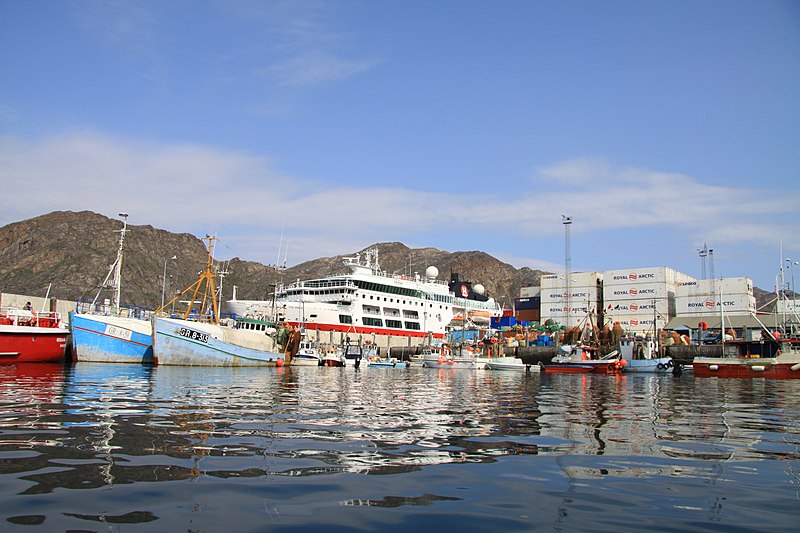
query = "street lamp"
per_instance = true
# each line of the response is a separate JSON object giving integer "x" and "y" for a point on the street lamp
{"x": 164, "y": 278}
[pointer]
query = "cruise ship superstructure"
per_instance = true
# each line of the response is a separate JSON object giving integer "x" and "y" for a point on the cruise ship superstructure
{"x": 368, "y": 301}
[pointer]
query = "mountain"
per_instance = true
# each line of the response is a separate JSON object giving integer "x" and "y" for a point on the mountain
{"x": 74, "y": 251}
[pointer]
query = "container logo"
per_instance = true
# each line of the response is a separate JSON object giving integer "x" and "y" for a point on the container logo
{"x": 709, "y": 304}
{"x": 633, "y": 292}
{"x": 634, "y": 322}
{"x": 634, "y": 307}
{"x": 632, "y": 276}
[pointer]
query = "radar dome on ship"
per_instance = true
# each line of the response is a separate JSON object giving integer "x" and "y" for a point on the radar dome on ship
{"x": 478, "y": 289}
{"x": 431, "y": 272}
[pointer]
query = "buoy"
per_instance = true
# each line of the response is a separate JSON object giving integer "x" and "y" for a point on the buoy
{"x": 713, "y": 367}
{"x": 279, "y": 362}
{"x": 758, "y": 368}
{"x": 795, "y": 367}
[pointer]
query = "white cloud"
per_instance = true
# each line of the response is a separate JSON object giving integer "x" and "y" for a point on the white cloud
{"x": 201, "y": 189}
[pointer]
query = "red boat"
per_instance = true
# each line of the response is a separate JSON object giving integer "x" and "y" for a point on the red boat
{"x": 31, "y": 337}
{"x": 777, "y": 360}
{"x": 582, "y": 359}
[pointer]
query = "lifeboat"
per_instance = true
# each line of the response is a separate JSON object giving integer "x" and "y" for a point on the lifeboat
{"x": 480, "y": 317}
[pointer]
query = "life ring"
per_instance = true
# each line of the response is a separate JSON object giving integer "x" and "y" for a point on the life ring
{"x": 661, "y": 366}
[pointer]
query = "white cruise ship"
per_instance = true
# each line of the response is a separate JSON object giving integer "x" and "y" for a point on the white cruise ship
{"x": 368, "y": 301}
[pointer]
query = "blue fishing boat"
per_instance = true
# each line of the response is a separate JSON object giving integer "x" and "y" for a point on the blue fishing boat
{"x": 105, "y": 332}
{"x": 111, "y": 339}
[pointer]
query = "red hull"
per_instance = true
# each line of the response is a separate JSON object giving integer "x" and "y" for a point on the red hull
{"x": 23, "y": 344}
{"x": 746, "y": 371}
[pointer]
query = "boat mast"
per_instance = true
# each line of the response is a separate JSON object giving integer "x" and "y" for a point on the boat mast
{"x": 118, "y": 270}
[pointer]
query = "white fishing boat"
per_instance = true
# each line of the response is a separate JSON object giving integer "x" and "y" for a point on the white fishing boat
{"x": 369, "y": 301}
{"x": 332, "y": 355}
{"x": 444, "y": 358}
{"x": 509, "y": 364}
{"x": 640, "y": 354}
{"x": 307, "y": 355}
{"x": 386, "y": 362}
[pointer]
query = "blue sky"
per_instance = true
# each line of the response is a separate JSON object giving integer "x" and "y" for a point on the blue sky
{"x": 462, "y": 125}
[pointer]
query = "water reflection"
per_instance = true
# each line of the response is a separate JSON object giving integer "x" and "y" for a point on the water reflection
{"x": 95, "y": 427}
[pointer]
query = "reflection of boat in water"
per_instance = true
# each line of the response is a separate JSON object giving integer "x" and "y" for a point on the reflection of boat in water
{"x": 30, "y": 337}
{"x": 641, "y": 355}
{"x": 582, "y": 359}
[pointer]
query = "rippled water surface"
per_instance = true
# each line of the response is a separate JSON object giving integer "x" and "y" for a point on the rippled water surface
{"x": 127, "y": 448}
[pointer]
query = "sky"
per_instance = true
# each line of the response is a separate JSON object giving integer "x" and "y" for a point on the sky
{"x": 302, "y": 129}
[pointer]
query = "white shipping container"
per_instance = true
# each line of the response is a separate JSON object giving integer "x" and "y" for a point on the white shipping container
{"x": 788, "y": 306}
{"x": 553, "y": 309}
{"x": 639, "y": 275}
{"x": 577, "y": 295}
{"x": 577, "y": 279}
{"x": 705, "y": 287}
{"x": 636, "y": 291}
{"x": 635, "y": 323}
{"x": 529, "y": 292}
{"x": 733, "y": 304}
{"x": 640, "y": 307}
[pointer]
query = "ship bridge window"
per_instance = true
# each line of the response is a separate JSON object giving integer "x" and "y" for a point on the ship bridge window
{"x": 394, "y": 324}
{"x": 345, "y": 319}
{"x": 369, "y": 321}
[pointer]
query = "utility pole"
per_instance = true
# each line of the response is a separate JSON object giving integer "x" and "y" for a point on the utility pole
{"x": 567, "y": 221}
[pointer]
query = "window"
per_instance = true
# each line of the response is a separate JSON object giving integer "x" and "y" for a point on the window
{"x": 394, "y": 324}
{"x": 412, "y": 325}
{"x": 369, "y": 321}
{"x": 345, "y": 319}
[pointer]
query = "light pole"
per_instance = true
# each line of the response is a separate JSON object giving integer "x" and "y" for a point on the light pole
{"x": 164, "y": 278}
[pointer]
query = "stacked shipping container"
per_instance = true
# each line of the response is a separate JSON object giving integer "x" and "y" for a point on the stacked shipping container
{"x": 698, "y": 298}
{"x": 636, "y": 298}
{"x": 570, "y": 309}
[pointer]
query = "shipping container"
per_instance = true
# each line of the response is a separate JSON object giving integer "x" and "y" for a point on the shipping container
{"x": 577, "y": 279}
{"x": 660, "y": 306}
{"x": 528, "y": 315}
{"x": 706, "y": 287}
{"x": 636, "y": 291}
{"x": 529, "y": 292}
{"x": 788, "y": 306}
{"x": 639, "y": 275}
{"x": 577, "y": 294}
{"x": 733, "y": 304}
{"x": 521, "y": 304}
{"x": 635, "y": 323}
{"x": 549, "y": 310}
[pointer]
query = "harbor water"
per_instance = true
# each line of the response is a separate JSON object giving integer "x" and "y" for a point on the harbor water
{"x": 104, "y": 447}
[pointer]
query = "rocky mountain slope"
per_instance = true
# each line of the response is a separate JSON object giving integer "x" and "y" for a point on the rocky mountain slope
{"x": 73, "y": 252}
